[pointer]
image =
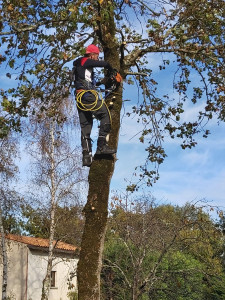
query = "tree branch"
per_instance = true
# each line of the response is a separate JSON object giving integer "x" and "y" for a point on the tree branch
{"x": 136, "y": 54}
{"x": 114, "y": 265}
{"x": 148, "y": 8}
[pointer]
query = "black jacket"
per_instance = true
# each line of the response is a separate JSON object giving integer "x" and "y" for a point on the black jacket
{"x": 84, "y": 75}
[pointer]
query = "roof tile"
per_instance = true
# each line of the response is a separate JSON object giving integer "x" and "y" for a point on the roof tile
{"x": 40, "y": 242}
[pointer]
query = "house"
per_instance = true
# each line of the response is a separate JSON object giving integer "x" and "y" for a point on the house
{"x": 27, "y": 265}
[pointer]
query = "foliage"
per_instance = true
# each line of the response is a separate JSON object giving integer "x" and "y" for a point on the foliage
{"x": 40, "y": 38}
{"x": 11, "y": 212}
{"x": 162, "y": 252}
{"x": 72, "y": 296}
{"x": 69, "y": 222}
{"x": 9, "y": 198}
{"x": 182, "y": 278}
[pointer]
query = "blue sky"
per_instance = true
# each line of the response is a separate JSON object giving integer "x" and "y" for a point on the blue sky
{"x": 185, "y": 176}
{"x": 189, "y": 175}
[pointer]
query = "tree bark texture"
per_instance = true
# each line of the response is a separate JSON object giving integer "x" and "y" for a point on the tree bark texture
{"x": 101, "y": 171}
{"x": 96, "y": 212}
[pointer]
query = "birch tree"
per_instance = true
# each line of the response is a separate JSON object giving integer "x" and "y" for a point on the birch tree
{"x": 41, "y": 37}
{"x": 55, "y": 169}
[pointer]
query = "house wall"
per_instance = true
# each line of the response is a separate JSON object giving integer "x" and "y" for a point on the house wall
{"x": 17, "y": 254}
{"x": 37, "y": 265}
{"x": 27, "y": 269}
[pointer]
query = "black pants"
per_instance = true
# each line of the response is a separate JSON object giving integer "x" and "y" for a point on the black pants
{"x": 86, "y": 117}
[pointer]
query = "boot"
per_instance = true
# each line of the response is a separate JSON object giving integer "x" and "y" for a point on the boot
{"x": 87, "y": 158}
{"x": 103, "y": 148}
{"x": 87, "y": 151}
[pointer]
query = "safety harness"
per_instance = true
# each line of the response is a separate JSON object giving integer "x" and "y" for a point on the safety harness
{"x": 111, "y": 80}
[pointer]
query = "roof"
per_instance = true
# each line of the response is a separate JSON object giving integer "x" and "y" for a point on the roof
{"x": 40, "y": 242}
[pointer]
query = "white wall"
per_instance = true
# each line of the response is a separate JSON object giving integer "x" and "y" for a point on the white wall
{"x": 17, "y": 263}
{"x": 37, "y": 265}
{"x": 27, "y": 269}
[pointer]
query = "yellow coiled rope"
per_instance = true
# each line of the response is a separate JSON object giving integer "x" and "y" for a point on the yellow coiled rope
{"x": 91, "y": 106}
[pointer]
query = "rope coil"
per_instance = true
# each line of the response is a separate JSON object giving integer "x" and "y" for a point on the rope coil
{"x": 91, "y": 106}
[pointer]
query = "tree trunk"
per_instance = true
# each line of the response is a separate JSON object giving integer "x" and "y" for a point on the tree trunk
{"x": 4, "y": 260}
{"x": 96, "y": 212}
{"x": 47, "y": 280}
{"x": 101, "y": 171}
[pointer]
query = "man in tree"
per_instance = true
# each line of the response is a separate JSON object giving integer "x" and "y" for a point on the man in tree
{"x": 89, "y": 104}
{"x": 188, "y": 34}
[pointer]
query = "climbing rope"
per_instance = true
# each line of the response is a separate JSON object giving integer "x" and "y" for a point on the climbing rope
{"x": 91, "y": 106}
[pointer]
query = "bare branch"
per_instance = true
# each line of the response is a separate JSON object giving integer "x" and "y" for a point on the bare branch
{"x": 114, "y": 265}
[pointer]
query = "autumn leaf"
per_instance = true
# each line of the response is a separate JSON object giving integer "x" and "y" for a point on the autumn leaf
{"x": 73, "y": 9}
{"x": 65, "y": 56}
{"x": 10, "y": 7}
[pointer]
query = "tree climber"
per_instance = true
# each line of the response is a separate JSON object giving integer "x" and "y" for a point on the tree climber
{"x": 89, "y": 104}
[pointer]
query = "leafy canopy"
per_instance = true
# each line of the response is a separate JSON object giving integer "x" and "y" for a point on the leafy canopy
{"x": 40, "y": 38}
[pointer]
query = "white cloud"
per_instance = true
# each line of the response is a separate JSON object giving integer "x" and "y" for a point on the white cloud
{"x": 181, "y": 187}
{"x": 186, "y": 175}
{"x": 195, "y": 157}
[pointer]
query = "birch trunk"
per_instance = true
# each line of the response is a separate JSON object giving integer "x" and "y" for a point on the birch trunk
{"x": 47, "y": 280}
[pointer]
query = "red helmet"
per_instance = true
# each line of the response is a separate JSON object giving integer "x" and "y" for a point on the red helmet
{"x": 92, "y": 49}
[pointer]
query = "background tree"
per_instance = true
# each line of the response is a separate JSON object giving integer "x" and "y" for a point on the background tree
{"x": 8, "y": 201}
{"x": 41, "y": 37}
{"x": 69, "y": 222}
{"x": 55, "y": 168}
{"x": 162, "y": 252}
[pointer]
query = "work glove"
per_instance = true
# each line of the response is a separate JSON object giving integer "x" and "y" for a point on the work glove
{"x": 113, "y": 78}
{"x": 117, "y": 76}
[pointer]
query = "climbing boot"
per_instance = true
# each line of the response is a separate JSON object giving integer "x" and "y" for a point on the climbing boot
{"x": 103, "y": 148}
{"x": 87, "y": 159}
{"x": 87, "y": 151}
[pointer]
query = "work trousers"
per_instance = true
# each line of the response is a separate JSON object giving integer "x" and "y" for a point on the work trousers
{"x": 100, "y": 113}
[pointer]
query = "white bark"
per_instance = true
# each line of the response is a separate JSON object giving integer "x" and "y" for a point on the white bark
{"x": 47, "y": 280}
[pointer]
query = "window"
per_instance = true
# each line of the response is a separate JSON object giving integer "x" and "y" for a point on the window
{"x": 53, "y": 279}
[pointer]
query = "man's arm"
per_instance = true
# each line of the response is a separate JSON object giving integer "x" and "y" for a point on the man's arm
{"x": 91, "y": 63}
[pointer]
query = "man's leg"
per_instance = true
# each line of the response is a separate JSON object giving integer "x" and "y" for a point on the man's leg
{"x": 86, "y": 122}
{"x": 105, "y": 126}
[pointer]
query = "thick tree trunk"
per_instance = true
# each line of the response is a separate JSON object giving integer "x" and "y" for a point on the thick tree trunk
{"x": 96, "y": 211}
{"x": 4, "y": 260}
{"x": 101, "y": 171}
